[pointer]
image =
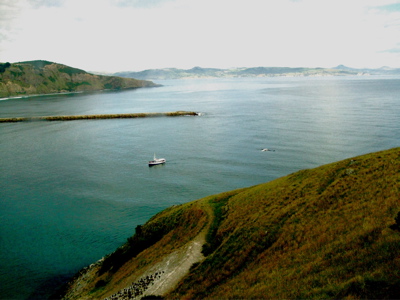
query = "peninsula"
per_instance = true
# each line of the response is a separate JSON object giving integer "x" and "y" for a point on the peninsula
{"x": 41, "y": 77}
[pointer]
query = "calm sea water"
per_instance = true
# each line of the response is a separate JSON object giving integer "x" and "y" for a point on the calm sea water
{"x": 72, "y": 192}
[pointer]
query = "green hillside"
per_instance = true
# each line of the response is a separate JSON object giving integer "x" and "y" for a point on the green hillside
{"x": 44, "y": 77}
{"x": 328, "y": 232}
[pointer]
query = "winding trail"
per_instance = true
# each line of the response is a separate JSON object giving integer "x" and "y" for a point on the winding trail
{"x": 156, "y": 279}
{"x": 176, "y": 265}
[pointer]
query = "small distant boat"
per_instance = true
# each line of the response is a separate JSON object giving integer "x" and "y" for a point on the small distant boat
{"x": 266, "y": 149}
{"x": 157, "y": 161}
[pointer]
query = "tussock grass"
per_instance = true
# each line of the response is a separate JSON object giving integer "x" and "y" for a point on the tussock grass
{"x": 161, "y": 235}
{"x": 218, "y": 206}
{"x": 181, "y": 225}
{"x": 328, "y": 232}
{"x": 321, "y": 233}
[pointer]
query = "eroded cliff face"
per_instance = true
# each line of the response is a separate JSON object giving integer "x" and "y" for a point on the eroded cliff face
{"x": 41, "y": 77}
{"x": 152, "y": 262}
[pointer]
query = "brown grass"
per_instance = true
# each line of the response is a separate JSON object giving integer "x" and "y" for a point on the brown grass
{"x": 328, "y": 232}
{"x": 321, "y": 233}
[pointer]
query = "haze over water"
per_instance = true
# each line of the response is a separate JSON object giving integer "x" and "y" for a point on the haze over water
{"x": 72, "y": 192}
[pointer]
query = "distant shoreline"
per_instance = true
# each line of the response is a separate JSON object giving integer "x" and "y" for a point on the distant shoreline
{"x": 71, "y": 93}
{"x": 39, "y": 95}
{"x": 252, "y": 72}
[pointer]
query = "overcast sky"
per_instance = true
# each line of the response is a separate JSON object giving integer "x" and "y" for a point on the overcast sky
{"x": 124, "y": 35}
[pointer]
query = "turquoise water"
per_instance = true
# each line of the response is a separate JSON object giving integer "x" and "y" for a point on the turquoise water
{"x": 71, "y": 192}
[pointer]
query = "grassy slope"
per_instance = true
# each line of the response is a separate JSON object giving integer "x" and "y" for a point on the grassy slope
{"x": 327, "y": 232}
{"x": 43, "y": 77}
{"x": 158, "y": 238}
{"x": 315, "y": 233}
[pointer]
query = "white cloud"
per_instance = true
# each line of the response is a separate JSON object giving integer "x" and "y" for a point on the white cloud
{"x": 119, "y": 35}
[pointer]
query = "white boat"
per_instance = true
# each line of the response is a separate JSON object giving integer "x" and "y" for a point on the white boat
{"x": 266, "y": 149}
{"x": 157, "y": 161}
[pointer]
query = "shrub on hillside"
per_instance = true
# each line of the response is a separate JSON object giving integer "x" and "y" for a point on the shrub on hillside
{"x": 3, "y": 67}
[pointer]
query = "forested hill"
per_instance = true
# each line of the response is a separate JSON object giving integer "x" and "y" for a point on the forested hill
{"x": 44, "y": 77}
{"x": 328, "y": 233}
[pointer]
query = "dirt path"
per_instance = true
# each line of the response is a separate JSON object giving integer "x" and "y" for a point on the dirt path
{"x": 177, "y": 264}
{"x": 165, "y": 275}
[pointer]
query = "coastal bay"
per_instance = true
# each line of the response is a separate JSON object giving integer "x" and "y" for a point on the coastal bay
{"x": 73, "y": 192}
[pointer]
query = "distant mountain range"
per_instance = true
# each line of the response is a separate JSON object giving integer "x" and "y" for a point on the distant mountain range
{"x": 379, "y": 71}
{"x": 44, "y": 77}
{"x": 198, "y": 72}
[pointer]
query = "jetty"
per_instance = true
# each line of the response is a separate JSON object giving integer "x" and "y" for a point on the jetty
{"x": 98, "y": 117}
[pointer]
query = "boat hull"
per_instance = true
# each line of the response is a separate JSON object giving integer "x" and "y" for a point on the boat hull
{"x": 156, "y": 162}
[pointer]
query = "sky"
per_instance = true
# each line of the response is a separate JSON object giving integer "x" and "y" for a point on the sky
{"x": 134, "y": 35}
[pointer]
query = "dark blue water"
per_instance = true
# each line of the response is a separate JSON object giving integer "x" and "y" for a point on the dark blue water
{"x": 72, "y": 192}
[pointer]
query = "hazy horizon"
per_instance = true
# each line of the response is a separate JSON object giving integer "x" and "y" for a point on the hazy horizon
{"x": 196, "y": 66}
{"x": 135, "y": 35}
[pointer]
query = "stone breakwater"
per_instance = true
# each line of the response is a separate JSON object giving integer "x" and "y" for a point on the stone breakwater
{"x": 98, "y": 117}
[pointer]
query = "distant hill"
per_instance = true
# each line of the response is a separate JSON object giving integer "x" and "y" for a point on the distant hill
{"x": 329, "y": 232}
{"x": 197, "y": 72}
{"x": 44, "y": 77}
{"x": 366, "y": 71}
